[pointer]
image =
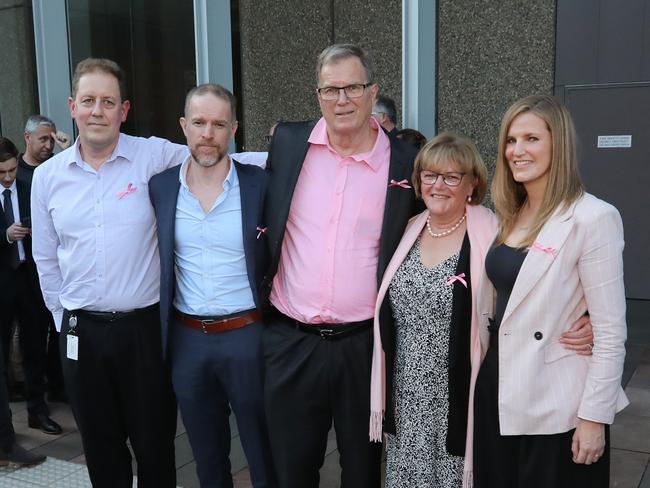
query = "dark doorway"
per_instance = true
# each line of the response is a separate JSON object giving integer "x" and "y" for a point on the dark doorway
{"x": 602, "y": 72}
{"x": 153, "y": 41}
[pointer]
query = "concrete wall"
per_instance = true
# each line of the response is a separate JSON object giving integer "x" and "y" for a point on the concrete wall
{"x": 18, "y": 92}
{"x": 280, "y": 41}
{"x": 489, "y": 55}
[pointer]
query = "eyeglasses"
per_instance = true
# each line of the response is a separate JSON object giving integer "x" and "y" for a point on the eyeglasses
{"x": 351, "y": 91}
{"x": 449, "y": 179}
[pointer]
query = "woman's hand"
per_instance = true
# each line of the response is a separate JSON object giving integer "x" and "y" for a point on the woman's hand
{"x": 588, "y": 442}
{"x": 580, "y": 337}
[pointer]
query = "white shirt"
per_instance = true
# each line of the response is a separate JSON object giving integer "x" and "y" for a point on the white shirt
{"x": 252, "y": 157}
{"x": 94, "y": 232}
{"x": 14, "y": 204}
{"x": 211, "y": 275}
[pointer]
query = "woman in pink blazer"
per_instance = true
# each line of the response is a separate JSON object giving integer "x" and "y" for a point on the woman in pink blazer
{"x": 541, "y": 410}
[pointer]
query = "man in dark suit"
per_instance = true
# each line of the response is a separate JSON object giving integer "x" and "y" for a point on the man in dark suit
{"x": 208, "y": 213}
{"x": 338, "y": 201}
{"x": 21, "y": 297}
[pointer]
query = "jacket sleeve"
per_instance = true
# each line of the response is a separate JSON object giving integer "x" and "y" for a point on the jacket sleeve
{"x": 600, "y": 268}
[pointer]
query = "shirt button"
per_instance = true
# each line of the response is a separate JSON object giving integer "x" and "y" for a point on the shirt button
{"x": 538, "y": 335}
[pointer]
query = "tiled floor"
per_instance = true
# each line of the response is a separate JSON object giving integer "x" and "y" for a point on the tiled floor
{"x": 630, "y": 434}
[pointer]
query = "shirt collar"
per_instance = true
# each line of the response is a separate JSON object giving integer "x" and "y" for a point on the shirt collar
{"x": 12, "y": 188}
{"x": 372, "y": 158}
{"x": 230, "y": 181}
{"x": 120, "y": 151}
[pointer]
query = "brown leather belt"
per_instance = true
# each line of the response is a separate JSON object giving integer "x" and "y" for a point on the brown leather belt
{"x": 210, "y": 325}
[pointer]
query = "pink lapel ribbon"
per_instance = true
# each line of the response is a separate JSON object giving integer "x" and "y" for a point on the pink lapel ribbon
{"x": 403, "y": 183}
{"x": 457, "y": 278}
{"x": 260, "y": 231}
{"x": 129, "y": 189}
{"x": 538, "y": 247}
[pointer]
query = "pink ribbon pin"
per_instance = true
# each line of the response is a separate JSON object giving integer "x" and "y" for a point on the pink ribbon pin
{"x": 539, "y": 247}
{"x": 403, "y": 183}
{"x": 458, "y": 277}
{"x": 260, "y": 231}
{"x": 129, "y": 189}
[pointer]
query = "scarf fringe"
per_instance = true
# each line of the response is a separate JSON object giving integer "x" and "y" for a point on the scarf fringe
{"x": 376, "y": 421}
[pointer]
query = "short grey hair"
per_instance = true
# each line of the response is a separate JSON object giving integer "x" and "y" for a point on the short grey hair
{"x": 218, "y": 91}
{"x": 35, "y": 120}
{"x": 338, "y": 52}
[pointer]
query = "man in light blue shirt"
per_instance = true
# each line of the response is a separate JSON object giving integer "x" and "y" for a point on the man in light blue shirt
{"x": 210, "y": 238}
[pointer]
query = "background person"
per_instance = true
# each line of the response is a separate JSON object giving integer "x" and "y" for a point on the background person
{"x": 385, "y": 112}
{"x": 40, "y": 138}
{"x": 20, "y": 296}
{"x": 558, "y": 253}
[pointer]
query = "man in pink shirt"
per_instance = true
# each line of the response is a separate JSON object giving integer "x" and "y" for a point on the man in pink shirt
{"x": 338, "y": 202}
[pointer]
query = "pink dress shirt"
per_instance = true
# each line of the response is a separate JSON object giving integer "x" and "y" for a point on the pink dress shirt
{"x": 328, "y": 264}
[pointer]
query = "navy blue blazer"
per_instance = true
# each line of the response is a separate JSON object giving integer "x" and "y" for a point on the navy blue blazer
{"x": 163, "y": 192}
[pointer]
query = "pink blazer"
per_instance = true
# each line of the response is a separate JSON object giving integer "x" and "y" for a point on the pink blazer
{"x": 481, "y": 227}
{"x": 575, "y": 265}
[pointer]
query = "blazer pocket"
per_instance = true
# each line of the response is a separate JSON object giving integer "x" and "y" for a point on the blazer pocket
{"x": 555, "y": 351}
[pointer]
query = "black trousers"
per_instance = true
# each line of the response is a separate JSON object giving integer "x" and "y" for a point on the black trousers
{"x": 6, "y": 427}
{"x": 524, "y": 461}
{"x": 120, "y": 388}
{"x": 24, "y": 301}
{"x": 309, "y": 383}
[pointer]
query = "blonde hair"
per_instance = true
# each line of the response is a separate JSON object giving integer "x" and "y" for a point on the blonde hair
{"x": 564, "y": 185}
{"x": 446, "y": 147}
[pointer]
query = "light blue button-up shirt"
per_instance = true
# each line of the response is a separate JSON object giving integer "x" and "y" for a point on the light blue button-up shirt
{"x": 211, "y": 277}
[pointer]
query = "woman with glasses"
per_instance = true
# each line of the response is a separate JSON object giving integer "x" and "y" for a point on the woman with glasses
{"x": 541, "y": 411}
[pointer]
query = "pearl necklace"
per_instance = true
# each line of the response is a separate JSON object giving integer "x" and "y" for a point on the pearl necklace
{"x": 448, "y": 231}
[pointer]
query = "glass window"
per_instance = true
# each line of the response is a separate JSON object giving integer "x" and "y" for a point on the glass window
{"x": 153, "y": 41}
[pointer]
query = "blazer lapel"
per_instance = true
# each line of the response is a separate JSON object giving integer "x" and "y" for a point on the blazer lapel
{"x": 167, "y": 224}
{"x": 398, "y": 201}
{"x": 250, "y": 219}
{"x": 287, "y": 155}
{"x": 540, "y": 256}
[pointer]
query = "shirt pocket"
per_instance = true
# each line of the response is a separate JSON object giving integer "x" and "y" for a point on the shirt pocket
{"x": 133, "y": 207}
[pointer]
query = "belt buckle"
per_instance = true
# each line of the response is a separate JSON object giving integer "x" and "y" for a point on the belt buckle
{"x": 206, "y": 322}
{"x": 326, "y": 333}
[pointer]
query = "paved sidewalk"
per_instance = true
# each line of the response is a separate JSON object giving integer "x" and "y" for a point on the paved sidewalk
{"x": 65, "y": 465}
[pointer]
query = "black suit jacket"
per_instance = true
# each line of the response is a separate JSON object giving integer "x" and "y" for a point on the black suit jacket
{"x": 163, "y": 192}
{"x": 24, "y": 209}
{"x": 286, "y": 155}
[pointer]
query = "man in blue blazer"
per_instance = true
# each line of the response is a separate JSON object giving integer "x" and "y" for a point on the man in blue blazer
{"x": 209, "y": 212}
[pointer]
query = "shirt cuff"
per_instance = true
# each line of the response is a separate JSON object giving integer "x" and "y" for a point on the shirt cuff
{"x": 58, "y": 319}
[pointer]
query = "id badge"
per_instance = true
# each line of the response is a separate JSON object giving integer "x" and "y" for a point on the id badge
{"x": 72, "y": 340}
